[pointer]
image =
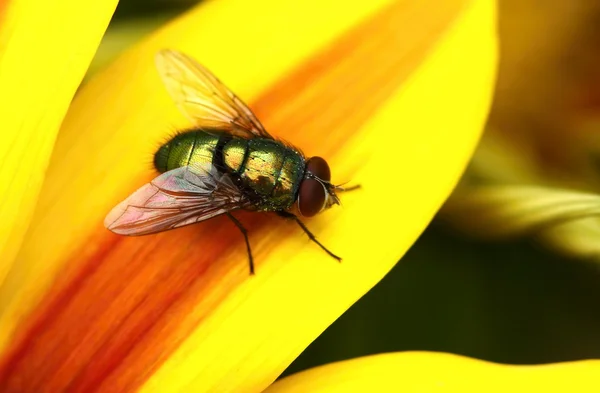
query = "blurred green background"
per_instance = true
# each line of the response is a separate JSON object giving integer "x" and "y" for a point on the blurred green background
{"x": 511, "y": 301}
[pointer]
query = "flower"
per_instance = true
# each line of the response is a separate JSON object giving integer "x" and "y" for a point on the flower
{"x": 393, "y": 94}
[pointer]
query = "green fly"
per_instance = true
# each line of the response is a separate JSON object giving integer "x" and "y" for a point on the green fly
{"x": 226, "y": 162}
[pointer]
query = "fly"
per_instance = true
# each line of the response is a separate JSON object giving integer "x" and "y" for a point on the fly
{"x": 226, "y": 162}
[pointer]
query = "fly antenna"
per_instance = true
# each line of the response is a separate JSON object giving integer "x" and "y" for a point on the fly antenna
{"x": 340, "y": 187}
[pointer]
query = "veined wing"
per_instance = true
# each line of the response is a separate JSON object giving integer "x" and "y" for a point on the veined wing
{"x": 204, "y": 99}
{"x": 176, "y": 198}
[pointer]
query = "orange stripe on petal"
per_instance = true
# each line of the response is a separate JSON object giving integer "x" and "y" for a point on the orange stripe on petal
{"x": 121, "y": 308}
{"x": 340, "y": 89}
{"x": 3, "y": 7}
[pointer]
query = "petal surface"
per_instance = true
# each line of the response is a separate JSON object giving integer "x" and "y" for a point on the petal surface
{"x": 393, "y": 94}
{"x": 45, "y": 49}
{"x": 439, "y": 372}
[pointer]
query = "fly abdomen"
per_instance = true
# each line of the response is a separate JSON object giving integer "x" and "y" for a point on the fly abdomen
{"x": 188, "y": 148}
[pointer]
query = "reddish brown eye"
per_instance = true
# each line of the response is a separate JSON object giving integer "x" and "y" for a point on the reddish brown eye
{"x": 319, "y": 167}
{"x": 311, "y": 197}
{"x": 312, "y": 194}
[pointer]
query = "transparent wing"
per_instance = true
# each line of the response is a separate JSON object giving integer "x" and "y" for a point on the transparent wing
{"x": 204, "y": 99}
{"x": 176, "y": 198}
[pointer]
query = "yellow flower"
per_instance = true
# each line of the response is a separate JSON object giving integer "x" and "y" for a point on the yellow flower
{"x": 393, "y": 93}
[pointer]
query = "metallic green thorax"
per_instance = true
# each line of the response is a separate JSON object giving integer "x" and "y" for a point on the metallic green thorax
{"x": 268, "y": 172}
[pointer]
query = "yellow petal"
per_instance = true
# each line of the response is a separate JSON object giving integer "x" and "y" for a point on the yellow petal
{"x": 512, "y": 210}
{"x": 577, "y": 238}
{"x": 120, "y": 36}
{"x": 565, "y": 220}
{"x": 443, "y": 373}
{"x": 45, "y": 48}
{"x": 510, "y": 191}
{"x": 393, "y": 94}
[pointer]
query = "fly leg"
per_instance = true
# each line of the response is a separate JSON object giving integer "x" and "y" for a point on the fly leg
{"x": 312, "y": 237}
{"x": 245, "y": 233}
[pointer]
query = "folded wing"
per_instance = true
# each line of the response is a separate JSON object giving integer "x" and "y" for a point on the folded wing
{"x": 204, "y": 99}
{"x": 176, "y": 198}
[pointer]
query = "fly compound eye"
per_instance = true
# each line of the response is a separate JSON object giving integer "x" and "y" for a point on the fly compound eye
{"x": 319, "y": 168}
{"x": 312, "y": 196}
